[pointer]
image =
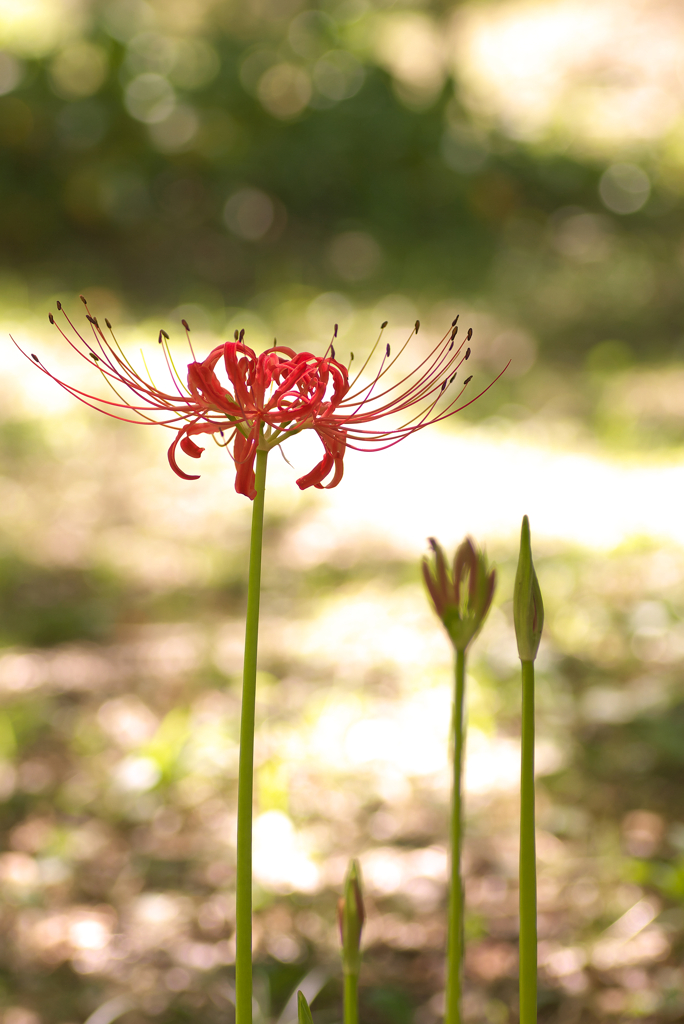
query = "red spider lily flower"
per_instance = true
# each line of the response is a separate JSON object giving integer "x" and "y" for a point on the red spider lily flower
{"x": 269, "y": 397}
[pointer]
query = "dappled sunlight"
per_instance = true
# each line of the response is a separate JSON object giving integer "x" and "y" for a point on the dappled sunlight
{"x": 600, "y": 77}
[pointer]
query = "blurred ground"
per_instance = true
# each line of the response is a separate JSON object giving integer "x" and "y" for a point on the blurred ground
{"x": 283, "y": 167}
{"x": 122, "y": 593}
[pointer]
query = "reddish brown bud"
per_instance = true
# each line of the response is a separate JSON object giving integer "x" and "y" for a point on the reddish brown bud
{"x": 461, "y": 596}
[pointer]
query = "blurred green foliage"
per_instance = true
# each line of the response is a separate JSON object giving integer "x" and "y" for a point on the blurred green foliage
{"x": 225, "y": 155}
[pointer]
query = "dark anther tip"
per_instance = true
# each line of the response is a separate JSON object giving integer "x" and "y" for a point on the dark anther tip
{"x": 387, "y": 351}
{"x": 467, "y": 355}
{"x": 236, "y": 335}
{"x": 467, "y": 381}
{"x": 164, "y": 334}
{"x": 91, "y": 318}
{"x": 454, "y": 322}
{"x": 108, "y": 323}
{"x": 59, "y": 304}
{"x": 383, "y": 325}
{"x": 51, "y": 318}
{"x": 335, "y": 333}
{"x": 470, "y": 334}
{"x": 444, "y": 385}
{"x": 417, "y": 326}
{"x": 34, "y": 357}
{"x": 452, "y": 378}
{"x": 185, "y": 324}
{"x": 451, "y": 345}
{"x": 454, "y": 333}
{"x": 332, "y": 351}
{"x": 83, "y": 300}
{"x": 242, "y": 334}
{"x": 93, "y": 356}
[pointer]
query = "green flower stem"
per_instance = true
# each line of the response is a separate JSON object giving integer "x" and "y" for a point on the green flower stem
{"x": 243, "y": 912}
{"x": 528, "y": 864}
{"x": 351, "y": 997}
{"x": 456, "y": 900}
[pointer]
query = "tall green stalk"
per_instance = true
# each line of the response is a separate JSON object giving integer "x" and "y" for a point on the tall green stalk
{"x": 455, "y": 939}
{"x": 528, "y": 857}
{"x": 243, "y": 911}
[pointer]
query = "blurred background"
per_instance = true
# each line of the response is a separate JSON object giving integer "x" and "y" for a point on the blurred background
{"x": 281, "y": 166}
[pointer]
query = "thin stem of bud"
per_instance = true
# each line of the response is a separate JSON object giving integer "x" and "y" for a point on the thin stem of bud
{"x": 528, "y": 862}
{"x": 455, "y": 940}
{"x": 351, "y": 998}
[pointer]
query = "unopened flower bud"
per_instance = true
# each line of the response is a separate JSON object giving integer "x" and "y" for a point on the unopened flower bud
{"x": 461, "y": 595}
{"x": 528, "y": 607}
{"x": 351, "y": 915}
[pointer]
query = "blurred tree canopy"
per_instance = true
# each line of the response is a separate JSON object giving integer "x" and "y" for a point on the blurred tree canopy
{"x": 225, "y": 153}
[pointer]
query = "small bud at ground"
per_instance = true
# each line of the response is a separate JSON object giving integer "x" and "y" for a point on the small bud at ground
{"x": 528, "y": 607}
{"x": 351, "y": 914}
{"x": 303, "y": 1010}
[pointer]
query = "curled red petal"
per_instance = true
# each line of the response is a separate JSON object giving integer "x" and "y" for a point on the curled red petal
{"x": 190, "y": 448}
{"x": 333, "y": 459}
{"x": 244, "y": 453}
{"x": 172, "y": 459}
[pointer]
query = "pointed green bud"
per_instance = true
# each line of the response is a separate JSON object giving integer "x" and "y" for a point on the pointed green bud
{"x": 303, "y": 1009}
{"x": 461, "y": 595}
{"x": 351, "y": 915}
{"x": 528, "y": 607}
